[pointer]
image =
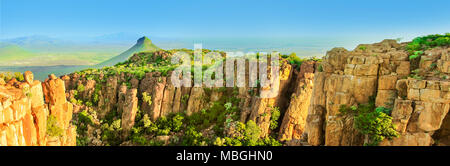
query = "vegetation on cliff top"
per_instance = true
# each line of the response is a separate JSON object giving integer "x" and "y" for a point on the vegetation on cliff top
{"x": 427, "y": 42}
{"x": 7, "y": 76}
{"x": 417, "y": 47}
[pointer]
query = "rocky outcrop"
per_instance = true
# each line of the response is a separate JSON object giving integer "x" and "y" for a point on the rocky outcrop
{"x": 294, "y": 120}
{"x": 421, "y": 114}
{"x": 309, "y": 96}
{"x": 157, "y": 97}
{"x": 24, "y": 113}
{"x": 378, "y": 70}
{"x": 129, "y": 110}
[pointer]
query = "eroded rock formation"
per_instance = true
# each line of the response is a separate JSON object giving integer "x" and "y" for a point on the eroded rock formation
{"x": 157, "y": 97}
{"x": 309, "y": 98}
{"x": 24, "y": 113}
{"x": 380, "y": 70}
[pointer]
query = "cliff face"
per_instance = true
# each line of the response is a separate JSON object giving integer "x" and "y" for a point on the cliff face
{"x": 294, "y": 120}
{"x": 155, "y": 95}
{"x": 310, "y": 98}
{"x": 114, "y": 106}
{"x": 27, "y": 120}
{"x": 381, "y": 70}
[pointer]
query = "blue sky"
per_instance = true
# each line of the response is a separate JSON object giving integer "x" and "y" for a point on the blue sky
{"x": 230, "y": 18}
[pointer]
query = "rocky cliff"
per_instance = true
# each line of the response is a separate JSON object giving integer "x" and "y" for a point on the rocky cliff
{"x": 26, "y": 119}
{"x": 376, "y": 94}
{"x": 125, "y": 95}
{"x": 417, "y": 95}
{"x": 386, "y": 93}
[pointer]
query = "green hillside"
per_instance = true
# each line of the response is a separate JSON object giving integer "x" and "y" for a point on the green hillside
{"x": 18, "y": 55}
{"x": 144, "y": 44}
{"x": 9, "y": 52}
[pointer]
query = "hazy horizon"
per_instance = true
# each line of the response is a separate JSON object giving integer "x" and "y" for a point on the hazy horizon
{"x": 93, "y": 31}
{"x": 229, "y": 19}
{"x": 306, "y": 46}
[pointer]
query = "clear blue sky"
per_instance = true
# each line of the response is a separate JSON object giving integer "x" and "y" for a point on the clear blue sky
{"x": 230, "y": 18}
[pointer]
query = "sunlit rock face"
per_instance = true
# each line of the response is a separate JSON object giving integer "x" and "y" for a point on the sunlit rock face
{"x": 24, "y": 113}
{"x": 380, "y": 70}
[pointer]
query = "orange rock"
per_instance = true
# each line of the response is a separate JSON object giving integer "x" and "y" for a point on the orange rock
{"x": 52, "y": 77}
{"x": 401, "y": 114}
{"x": 11, "y": 135}
{"x": 1, "y": 113}
{"x": 3, "y": 140}
{"x": 28, "y": 76}
{"x": 54, "y": 91}
{"x": 37, "y": 96}
{"x": 40, "y": 118}
{"x": 29, "y": 130}
{"x": 53, "y": 141}
{"x": 387, "y": 82}
{"x": 410, "y": 139}
{"x": 20, "y": 108}
{"x": 19, "y": 132}
{"x": 2, "y": 82}
{"x": 71, "y": 133}
{"x": 23, "y": 112}
{"x": 385, "y": 98}
{"x": 8, "y": 115}
{"x": 403, "y": 68}
{"x": 129, "y": 110}
{"x": 68, "y": 110}
{"x": 12, "y": 82}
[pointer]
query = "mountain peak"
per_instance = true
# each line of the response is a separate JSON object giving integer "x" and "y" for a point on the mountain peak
{"x": 144, "y": 40}
{"x": 143, "y": 44}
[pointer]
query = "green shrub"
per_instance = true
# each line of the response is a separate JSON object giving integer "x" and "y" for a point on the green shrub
{"x": 295, "y": 60}
{"x": 268, "y": 141}
{"x": 184, "y": 98}
{"x": 248, "y": 135}
{"x": 18, "y": 76}
{"x": 7, "y": 76}
{"x": 147, "y": 98}
{"x": 375, "y": 123}
{"x": 427, "y": 42}
{"x": 97, "y": 90}
{"x": 384, "y": 110}
{"x": 82, "y": 141}
{"x": 192, "y": 137}
{"x": 142, "y": 141}
{"x": 177, "y": 122}
{"x": 88, "y": 104}
{"x": 52, "y": 127}
{"x": 252, "y": 133}
{"x": 111, "y": 133}
{"x": 84, "y": 117}
{"x": 80, "y": 88}
{"x": 274, "y": 118}
{"x": 363, "y": 48}
{"x": 415, "y": 55}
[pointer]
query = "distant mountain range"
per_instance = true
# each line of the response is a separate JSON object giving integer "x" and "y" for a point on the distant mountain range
{"x": 41, "y": 72}
{"x": 9, "y": 52}
{"x": 48, "y": 51}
